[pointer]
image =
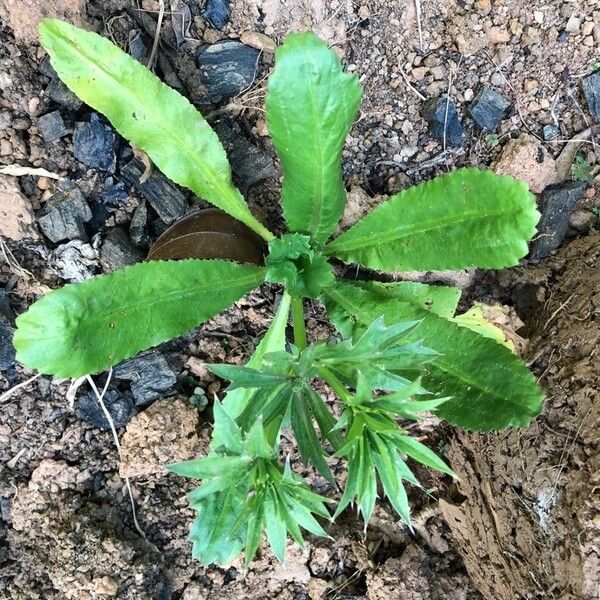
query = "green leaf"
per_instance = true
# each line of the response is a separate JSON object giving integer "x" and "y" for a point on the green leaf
{"x": 246, "y": 377}
{"x": 308, "y": 443}
{"x": 213, "y": 536}
{"x": 490, "y": 387}
{"x": 276, "y": 527}
{"x": 419, "y": 452}
{"x": 148, "y": 113}
{"x": 84, "y": 328}
{"x": 225, "y": 431}
{"x": 468, "y": 218}
{"x": 213, "y": 465}
{"x": 475, "y": 320}
{"x": 274, "y": 341}
{"x": 311, "y": 105}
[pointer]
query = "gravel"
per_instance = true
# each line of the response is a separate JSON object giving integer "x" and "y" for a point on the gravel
{"x": 489, "y": 108}
{"x": 95, "y": 144}
{"x": 64, "y": 216}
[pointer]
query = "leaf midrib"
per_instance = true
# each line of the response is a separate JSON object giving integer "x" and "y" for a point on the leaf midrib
{"x": 403, "y": 231}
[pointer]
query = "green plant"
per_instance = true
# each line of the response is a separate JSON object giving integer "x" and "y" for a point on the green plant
{"x": 398, "y": 340}
{"x": 581, "y": 170}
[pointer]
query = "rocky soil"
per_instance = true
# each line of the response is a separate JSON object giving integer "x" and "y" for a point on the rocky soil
{"x": 509, "y": 84}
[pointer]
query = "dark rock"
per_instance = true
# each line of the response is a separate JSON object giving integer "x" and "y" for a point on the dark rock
{"x": 52, "y": 127}
{"x": 137, "y": 46}
{"x": 557, "y": 203}
{"x": 95, "y": 144}
{"x": 114, "y": 194}
{"x": 117, "y": 251}
{"x": 7, "y": 351}
{"x": 216, "y": 13}
{"x": 227, "y": 68}
{"x": 99, "y": 216}
{"x": 163, "y": 195}
{"x": 150, "y": 376}
{"x": 138, "y": 229}
{"x": 61, "y": 94}
{"x": 64, "y": 216}
{"x": 119, "y": 406}
{"x": 489, "y": 108}
{"x": 249, "y": 163}
{"x": 551, "y": 132}
{"x": 181, "y": 21}
{"x": 591, "y": 91}
{"x": 444, "y": 122}
{"x": 5, "y": 309}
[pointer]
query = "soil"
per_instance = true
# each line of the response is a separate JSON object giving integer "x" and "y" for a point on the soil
{"x": 523, "y": 520}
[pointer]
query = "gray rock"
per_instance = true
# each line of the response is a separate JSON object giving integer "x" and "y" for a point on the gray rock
{"x": 557, "y": 203}
{"x": 119, "y": 406}
{"x": 5, "y": 309}
{"x": 582, "y": 220}
{"x": 52, "y": 126}
{"x": 117, "y": 251}
{"x": 489, "y": 108}
{"x": 7, "y": 351}
{"x": 95, "y": 144}
{"x": 163, "y": 195}
{"x": 444, "y": 122}
{"x": 227, "y": 68}
{"x": 138, "y": 229}
{"x": 249, "y": 163}
{"x": 137, "y": 46}
{"x": 61, "y": 94}
{"x": 64, "y": 216}
{"x": 150, "y": 376}
{"x": 216, "y": 13}
{"x": 551, "y": 132}
{"x": 591, "y": 91}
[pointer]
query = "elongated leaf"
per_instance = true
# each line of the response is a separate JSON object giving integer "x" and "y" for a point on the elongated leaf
{"x": 87, "y": 327}
{"x": 469, "y": 218}
{"x": 419, "y": 452}
{"x": 274, "y": 341}
{"x": 246, "y": 377}
{"x": 214, "y": 465}
{"x": 148, "y": 113}
{"x": 311, "y": 105}
{"x": 490, "y": 387}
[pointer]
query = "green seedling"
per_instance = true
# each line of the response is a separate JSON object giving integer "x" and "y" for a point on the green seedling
{"x": 397, "y": 340}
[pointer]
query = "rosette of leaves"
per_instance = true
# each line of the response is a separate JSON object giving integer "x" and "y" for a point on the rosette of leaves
{"x": 468, "y": 218}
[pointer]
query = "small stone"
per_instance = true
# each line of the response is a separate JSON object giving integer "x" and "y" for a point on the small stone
{"x": 52, "y": 127}
{"x": 74, "y": 261}
{"x": 114, "y": 195}
{"x": 257, "y": 40}
{"x": 591, "y": 91}
{"x": 216, "y": 13}
{"x": 150, "y": 375}
{"x": 95, "y": 144}
{"x": 498, "y": 35}
{"x": 137, "y": 46}
{"x": 444, "y": 122}
{"x": 557, "y": 204}
{"x": 162, "y": 434}
{"x": 529, "y": 85}
{"x": 582, "y": 220}
{"x": 61, "y": 94}
{"x": 117, "y": 251}
{"x": 551, "y": 132}
{"x": 162, "y": 194}
{"x": 489, "y": 108}
{"x": 525, "y": 158}
{"x": 573, "y": 24}
{"x": 16, "y": 215}
{"x": 7, "y": 351}
{"x": 249, "y": 163}
{"x": 119, "y": 406}
{"x": 138, "y": 229}
{"x": 227, "y": 68}
{"x": 106, "y": 586}
{"x": 64, "y": 216}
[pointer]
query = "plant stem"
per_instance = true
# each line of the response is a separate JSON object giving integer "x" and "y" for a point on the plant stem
{"x": 335, "y": 384}
{"x": 300, "y": 339}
